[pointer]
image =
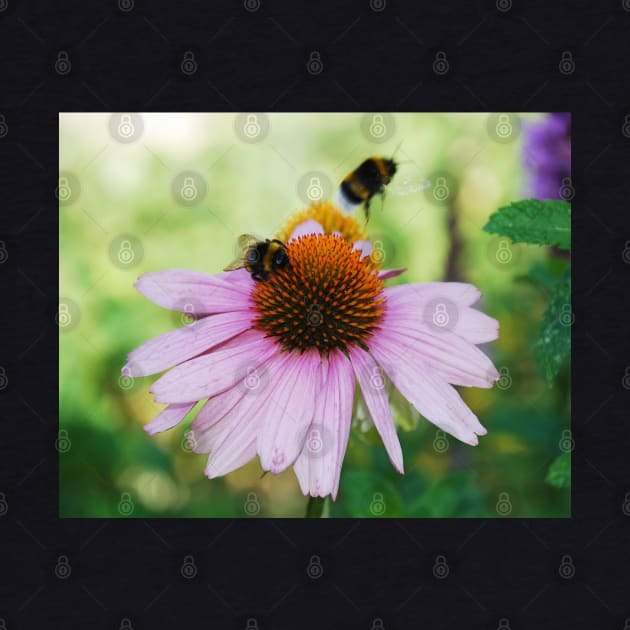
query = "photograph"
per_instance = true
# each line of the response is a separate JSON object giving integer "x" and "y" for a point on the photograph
{"x": 315, "y": 315}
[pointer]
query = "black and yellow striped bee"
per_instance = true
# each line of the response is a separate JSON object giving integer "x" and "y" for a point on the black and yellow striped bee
{"x": 366, "y": 181}
{"x": 259, "y": 257}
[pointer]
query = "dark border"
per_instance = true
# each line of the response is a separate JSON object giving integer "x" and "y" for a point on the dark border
{"x": 377, "y": 56}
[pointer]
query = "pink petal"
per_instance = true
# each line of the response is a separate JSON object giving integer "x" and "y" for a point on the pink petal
{"x": 168, "y": 418}
{"x": 453, "y": 358}
{"x": 213, "y": 373}
{"x": 420, "y": 303}
{"x": 318, "y": 467}
{"x": 385, "y": 274}
{"x": 286, "y": 417}
{"x": 171, "y": 348}
{"x": 432, "y": 396}
{"x": 310, "y": 226}
{"x": 365, "y": 247}
{"x": 208, "y": 425}
{"x": 234, "y": 443}
{"x": 181, "y": 290}
{"x": 235, "y": 452}
{"x": 420, "y": 294}
{"x": 376, "y": 399}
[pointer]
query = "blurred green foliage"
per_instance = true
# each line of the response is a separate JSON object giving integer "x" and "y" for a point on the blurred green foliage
{"x": 113, "y": 469}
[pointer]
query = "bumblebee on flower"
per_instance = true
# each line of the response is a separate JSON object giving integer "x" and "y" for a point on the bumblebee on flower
{"x": 278, "y": 355}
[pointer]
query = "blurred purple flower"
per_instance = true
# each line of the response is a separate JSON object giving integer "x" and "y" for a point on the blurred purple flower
{"x": 547, "y": 155}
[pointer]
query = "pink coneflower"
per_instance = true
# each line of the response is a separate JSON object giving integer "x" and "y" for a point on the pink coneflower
{"x": 278, "y": 362}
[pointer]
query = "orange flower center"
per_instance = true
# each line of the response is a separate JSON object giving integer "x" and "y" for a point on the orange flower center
{"x": 327, "y": 297}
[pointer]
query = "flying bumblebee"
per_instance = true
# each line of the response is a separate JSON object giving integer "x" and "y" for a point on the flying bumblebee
{"x": 259, "y": 257}
{"x": 365, "y": 182}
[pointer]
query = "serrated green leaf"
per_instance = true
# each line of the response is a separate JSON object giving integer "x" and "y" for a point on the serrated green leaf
{"x": 533, "y": 221}
{"x": 554, "y": 343}
{"x": 559, "y": 473}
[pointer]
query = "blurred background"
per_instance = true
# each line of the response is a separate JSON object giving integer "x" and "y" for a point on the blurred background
{"x": 145, "y": 192}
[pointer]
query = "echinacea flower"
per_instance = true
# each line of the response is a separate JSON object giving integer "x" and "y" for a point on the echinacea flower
{"x": 547, "y": 155}
{"x": 278, "y": 361}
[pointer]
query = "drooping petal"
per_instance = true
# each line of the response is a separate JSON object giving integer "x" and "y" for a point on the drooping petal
{"x": 234, "y": 442}
{"x": 171, "y": 348}
{"x": 208, "y": 425}
{"x": 318, "y": 467}
{"x": 420, "y": 304}
{"x": 284, "y": 422}
{"x": 310, "y": 226}
{"x": 213, "y": 373}
{"x": 432, "y": 396}
{"x": 366, "y": 247}
{"x": 234, "y": 453}
{"x": 450, "y": 356}
{"x": 385, "y": 274}
{"x": 168, "y": 418}
{"x": 199, "y": 293}
{"x": 377, "y": 402}
{"x": 421, "y": 293}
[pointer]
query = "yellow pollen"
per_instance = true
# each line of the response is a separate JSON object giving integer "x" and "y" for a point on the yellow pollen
{"x": 331, "y": 218}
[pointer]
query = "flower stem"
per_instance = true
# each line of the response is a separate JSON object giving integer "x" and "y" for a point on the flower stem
{"x": 317, "y": 507}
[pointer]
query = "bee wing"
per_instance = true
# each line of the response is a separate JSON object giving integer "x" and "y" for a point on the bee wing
{"x": 247, "y": 240}
{"x": 408, "y": 180}
{"x": 244, "y": 242}
{"x": 239, "y": 263}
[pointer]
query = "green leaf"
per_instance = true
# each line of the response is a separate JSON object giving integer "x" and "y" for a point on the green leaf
{"x": 554, "y": 344}
{"x": 533, "y": 221}
{"x": 559, "y": 473}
